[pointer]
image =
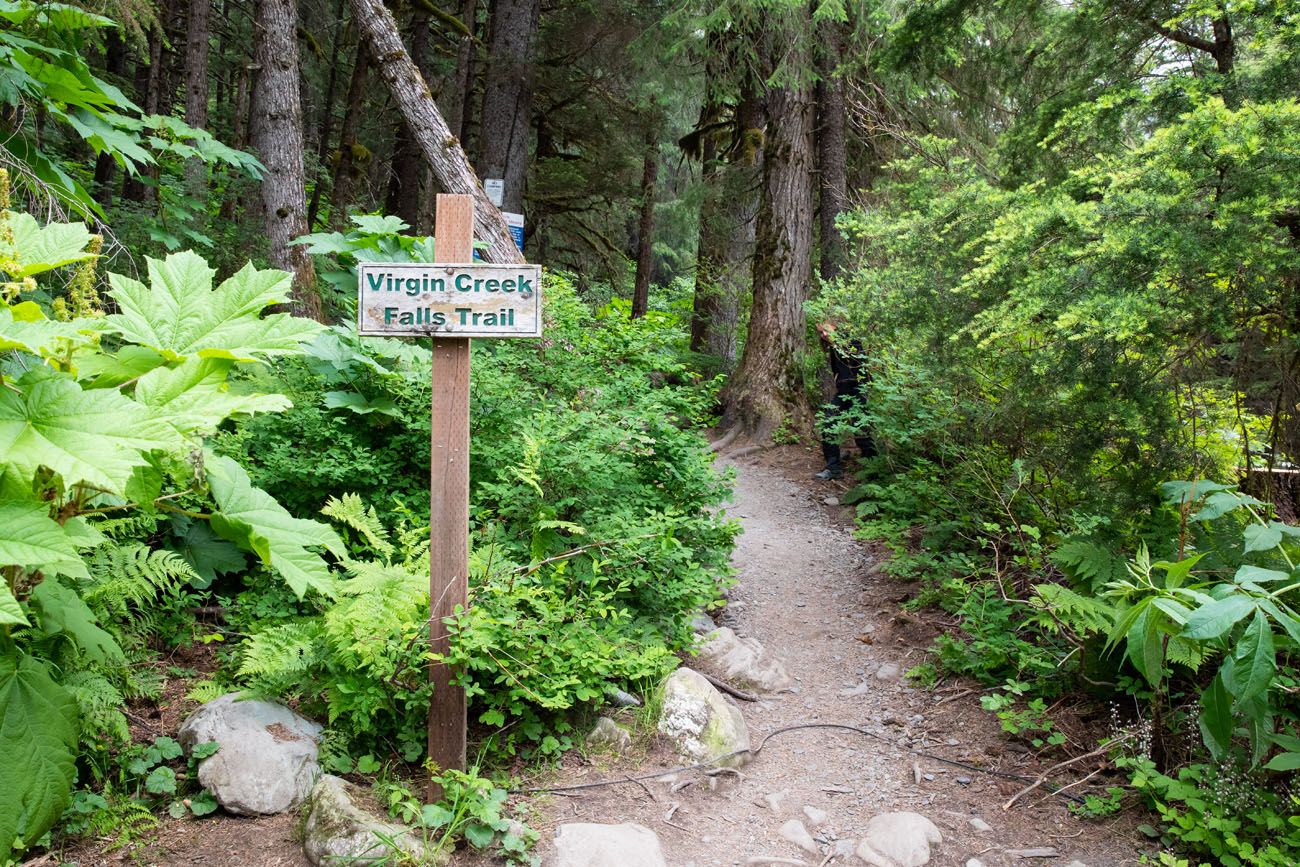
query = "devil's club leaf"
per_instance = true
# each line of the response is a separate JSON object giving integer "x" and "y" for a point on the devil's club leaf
{"x": 24, "y": 326}
{"x": 194, "y": 396}
{"x": 42, "y": 248}
{"x": 180, "y": 314}
{"x": 38, "y": 736}
{"x": 97, "y": 436}
{"x": 31, "y": 539}
{"x": 252, "y": 518}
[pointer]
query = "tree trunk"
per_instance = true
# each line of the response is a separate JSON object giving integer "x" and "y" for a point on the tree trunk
{"x": 341, "y": 193}
{"x": 460, "y": 94}
{"x": 197, "y": 33}
{"x": 727, "y": 223}
{"x": 241, "y": 111}
{"x": 403, "y": 198}
{"x": 645, "y": 234}
{"x": 147, "y": 85}
{"x": 440, "y": 147}
{"x": 325, "y": 128}
{"x": 105, "y": 165}
{"x": 278, "y": 138}
{"x": 508, "y": 98}
{"x": 832, "y": 151}
{"x": 767, "y": 388}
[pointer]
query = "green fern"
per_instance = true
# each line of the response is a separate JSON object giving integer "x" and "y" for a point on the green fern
{"x": 277, "y": 659}
{"x": 129, "y": 578}
{"x": 1089, "y": 562}
{"x": 1083, "y": 614}
{"x": 204, "y": 691}
{"x": 350, "y": 510}
{"x": 99, "y": 704}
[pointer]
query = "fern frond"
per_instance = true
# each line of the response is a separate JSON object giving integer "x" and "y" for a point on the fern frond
{"x": 1083, "y": 614}
{"x": 350, "y": 510}
{"x": 280, "y": 655}
{"x": 127, "y": 579}
{"x": 1089, "y": 562}
{"x": 136, "y": 526}
{"x": 100, "y": 706}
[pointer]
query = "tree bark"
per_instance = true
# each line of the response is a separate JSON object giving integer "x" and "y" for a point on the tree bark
{"x": 439, "y": 146}
{"x": 460, "y": 95}
{"x": 147, "y": 82}
{"x": 344, "y": 168}
{"x": 508, "y": 98}
{"x": 645, "y": 233}
{"x": 767, "y": 389}
{"x": 197, "y": 32}
{"x": 325, "y": 128}
{"x": 278, "y": 138}
{"x": 832, "y": 151}
{"x": 105, "y": 165}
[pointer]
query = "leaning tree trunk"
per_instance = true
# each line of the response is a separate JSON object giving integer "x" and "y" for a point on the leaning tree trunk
{"x": 645, "y": 233}
{"x": 767, "y": 388}
{"x": 278, "y": 138}
{"x": 832, "y": 150}
{"x": 440, "y": 148}
{"x": 508, "y": 97}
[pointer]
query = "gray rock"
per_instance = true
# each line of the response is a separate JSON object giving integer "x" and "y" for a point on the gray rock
{"x": 1076, "y": 863}
{"x": 619, "y": 698}
{"x": 702, "y": 623}
{"x": 742, "y": 662}
{"x": 832, "y": 501}
{"x": 898, "y": 840}
{"x": 267, "y": 761}
{"x": 796, "y": 833}
{"x": 984, "y": 827}
{"x": 774, "y": 799}
{"x": 816, "y": 817}
{"x": 582, "y": 844}
{"x": 844, "y": 848}
{"x": 607, "y": 734}
{"x": 974, "y": 862}
{"x": 965, "y": 781}
{"x": 700, "y": 722}
{"x": 888, "y": 671}
{"x": 341, "y": 831}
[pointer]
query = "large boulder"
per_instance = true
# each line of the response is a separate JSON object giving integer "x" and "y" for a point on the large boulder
{"x": 588, "y": 845}
{"x": 742, "y": 662}
{"x": 341, "y": 830}
{"x": 900, "y": 839}
{"x": 267, "y": 760}
{"x": 701, "y": 722}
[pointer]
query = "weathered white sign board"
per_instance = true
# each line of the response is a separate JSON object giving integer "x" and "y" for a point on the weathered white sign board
{"x": 420, "y": 300}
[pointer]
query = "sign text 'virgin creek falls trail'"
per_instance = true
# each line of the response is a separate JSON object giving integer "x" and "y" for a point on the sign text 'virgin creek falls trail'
{"x": 419, "y": 299}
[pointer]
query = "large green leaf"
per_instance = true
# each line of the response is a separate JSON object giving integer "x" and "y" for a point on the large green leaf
{"x": 252, "y": 519}
{"x": 38, "y": 248}
{"x": 1261, "y": 537}
{"x": 25, "y": 327}
{"x": 1215, "y": 618}
{"x": 1255, "y": 661}
{"x": 61, "y": 610}
{"x": 11, "y": 612}
{"x": 38, "y": 739}
{"x": 208, "y": 554}
{"x": 96, "y": 436}
{"x": 31, "y": 539}
{"x": 1216, "y": 718}
{"x": 194, "y": 397}
{"x": 180, "y": 314}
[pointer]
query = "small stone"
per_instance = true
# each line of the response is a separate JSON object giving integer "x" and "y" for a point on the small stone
{"x": 929, "y": 778}
{"x": 773, "y": 801}
{"x": 796, "y": 833}
{"x": 900, "y": 839}
{"x": 984, "y": 827}
{"x": 974, "y": 862}
{"x": 619, "y": 698}
{"x": 832, "y": 501}
{"x": 340, "y": 831}
{"x": 816, "y": 817}
{"x": 608, "y": 734}
{"x": 1076, "y": 863}
{"x": 583, "y": 844}
{"x": 888, "y": 671}
{"x": 965, "y": 781}
{"x": 844, "y": 848}
{"x": 859, "y": 690}
{"x": 952, "y": 742}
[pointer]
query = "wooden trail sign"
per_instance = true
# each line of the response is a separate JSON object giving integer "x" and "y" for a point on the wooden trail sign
{"x": 451, "y": 301}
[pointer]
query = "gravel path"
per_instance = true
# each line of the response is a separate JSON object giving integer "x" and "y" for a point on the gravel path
{"x": 808, "y": 591}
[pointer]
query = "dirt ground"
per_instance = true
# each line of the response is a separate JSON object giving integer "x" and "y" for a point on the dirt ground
{"x": 816, "y": 599}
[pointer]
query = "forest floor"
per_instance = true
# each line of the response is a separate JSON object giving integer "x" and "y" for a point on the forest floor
{"x": 816, "y": 599}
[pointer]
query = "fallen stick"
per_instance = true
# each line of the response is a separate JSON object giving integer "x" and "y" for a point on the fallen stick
{"x": 729, "y": 689}
{"x": 1042, "y": 778}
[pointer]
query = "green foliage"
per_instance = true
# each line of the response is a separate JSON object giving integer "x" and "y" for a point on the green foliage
{"x": 99, "y": 416}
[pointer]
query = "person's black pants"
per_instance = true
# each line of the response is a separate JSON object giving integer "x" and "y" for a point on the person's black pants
{"x": 834, "y": 412}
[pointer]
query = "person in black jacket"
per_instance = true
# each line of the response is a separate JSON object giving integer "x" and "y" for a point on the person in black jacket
{"x": 847, "y": 365}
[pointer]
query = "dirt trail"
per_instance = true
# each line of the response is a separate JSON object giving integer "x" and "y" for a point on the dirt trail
{"x": 807, "y": 590}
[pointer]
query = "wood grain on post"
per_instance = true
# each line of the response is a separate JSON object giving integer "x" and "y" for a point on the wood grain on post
{"x": 449, "y": 496}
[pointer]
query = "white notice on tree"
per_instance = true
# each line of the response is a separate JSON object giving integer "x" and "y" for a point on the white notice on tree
{"x": 414, "y": 299}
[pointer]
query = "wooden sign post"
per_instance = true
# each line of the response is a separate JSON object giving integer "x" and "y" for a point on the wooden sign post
{"x": 451, "y": 301}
